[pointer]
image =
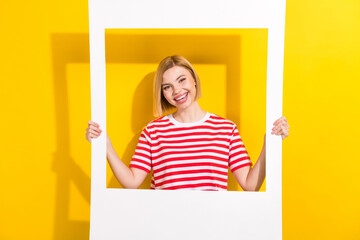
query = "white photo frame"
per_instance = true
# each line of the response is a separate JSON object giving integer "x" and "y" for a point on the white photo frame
{"x": 148, "y": 214}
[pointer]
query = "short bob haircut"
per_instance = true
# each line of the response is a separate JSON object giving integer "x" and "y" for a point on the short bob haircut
{"x": 161, "y": 105}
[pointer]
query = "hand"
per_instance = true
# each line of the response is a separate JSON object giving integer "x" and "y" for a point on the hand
{"x": 281, "y": 127}
{"x": 93, "y": 131}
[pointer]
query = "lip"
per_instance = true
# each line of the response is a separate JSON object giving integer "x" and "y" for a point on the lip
{"x": 182, "y": 97}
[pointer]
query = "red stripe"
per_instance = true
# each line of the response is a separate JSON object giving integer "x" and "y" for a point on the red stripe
{"x": 237, "y": 147}
{"x": 236, "y": 140}
{"x": 136, "y": 160}
{"x": 233, "y": 162}
{"x": 190, "y": 179}
{"x": 190, "y": 158}
{"x": 222, "y": 123}
{"x": 139, "y": 167}
{"x": 192, "y": 128}
{"x": 144, "y": 142}
{"x": 241, "y": 166}
{"x": 161, "y": 119}
{"x": 238, "y": 153}
{"x": 153, "y": 126}
{"x": 181, "y": 165}
{"x": 217, "y": 117}
{"x": 141, "y": 155}
{"x": 161, "y": 148}
{"x": 189, "y": 152}
{"x": 195, "y": 186}
{"x": 142, "y": 148}
{"x": 166, "y": 174}
{"x": 191, "y": 134}
{"x": 192, "y": 140}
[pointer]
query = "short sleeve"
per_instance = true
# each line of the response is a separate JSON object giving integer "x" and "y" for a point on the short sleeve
{"x": 238, "y": 156}
{"x": 142, "y": 156}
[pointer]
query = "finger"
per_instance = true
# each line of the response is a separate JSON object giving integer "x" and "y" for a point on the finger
{"x": 281, "y": 119}
{"x": 284, "y": 132}
{"x": 285, "y": 125}
{"x": 281, "y": 123}
{"x": 91, "y": 136}
{"x": 95, "y": 128}
{"x": 276, "y": 129}
{"x": 280, "y": 130}
{"x": 93, "y": 123}
{"x": 283, "y": 136}
{"x": 277, "y": 121}
{"x": 87, "y": 136}
{"x": 94, "y": 133}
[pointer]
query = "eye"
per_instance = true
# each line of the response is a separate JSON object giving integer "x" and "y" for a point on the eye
{"x": 165, "y": 88}
{"x": 181, "y": 80}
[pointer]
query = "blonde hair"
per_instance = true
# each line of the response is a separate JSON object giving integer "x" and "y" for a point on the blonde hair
{"x": 161, "y": 105}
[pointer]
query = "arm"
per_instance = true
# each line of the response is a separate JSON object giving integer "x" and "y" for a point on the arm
{"x": 251, "y": 179}
{"x": 128, "y": 177}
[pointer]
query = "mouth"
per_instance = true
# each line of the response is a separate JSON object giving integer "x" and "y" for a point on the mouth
{"x": 182, "y": 98}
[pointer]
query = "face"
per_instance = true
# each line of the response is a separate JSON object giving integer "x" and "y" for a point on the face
{"x": 178, "y": 87}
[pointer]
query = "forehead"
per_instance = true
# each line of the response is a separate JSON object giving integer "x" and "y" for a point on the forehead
{"x": 173, "y": 73}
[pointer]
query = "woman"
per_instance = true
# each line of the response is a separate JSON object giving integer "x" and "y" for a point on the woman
{"x": 191, "y": 148}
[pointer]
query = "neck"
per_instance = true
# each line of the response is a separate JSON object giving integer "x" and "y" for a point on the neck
{"x": 192, "y": 113}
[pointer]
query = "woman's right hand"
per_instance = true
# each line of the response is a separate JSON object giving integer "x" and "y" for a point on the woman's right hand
{"x": 93, "y": 131}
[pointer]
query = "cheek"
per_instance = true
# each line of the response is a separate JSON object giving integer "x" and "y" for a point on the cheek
{"x": 193, "y": 88}
{"x": 167, "y": 95}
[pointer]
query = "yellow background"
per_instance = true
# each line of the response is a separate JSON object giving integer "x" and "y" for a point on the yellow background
{"x": 45, "y": 104}
{"x": 231, "y": 64}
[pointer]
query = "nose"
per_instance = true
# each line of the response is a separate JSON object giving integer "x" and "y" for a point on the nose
{"x": 177, "y": 89}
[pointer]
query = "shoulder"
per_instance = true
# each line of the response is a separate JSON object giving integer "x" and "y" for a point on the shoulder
{"x": 159, "y": 122}
{"x": 216, "y": 119}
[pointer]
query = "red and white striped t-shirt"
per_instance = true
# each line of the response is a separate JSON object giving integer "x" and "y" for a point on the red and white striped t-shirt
{"x": 190, "y": 155}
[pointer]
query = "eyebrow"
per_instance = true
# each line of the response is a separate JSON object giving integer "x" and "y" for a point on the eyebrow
{"x": 182, "y": 75}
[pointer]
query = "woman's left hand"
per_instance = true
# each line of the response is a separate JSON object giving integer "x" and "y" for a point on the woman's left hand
{"x": 281, "y": 127}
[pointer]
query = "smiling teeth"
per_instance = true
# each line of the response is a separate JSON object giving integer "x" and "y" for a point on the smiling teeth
{"x": 181, "y": 97}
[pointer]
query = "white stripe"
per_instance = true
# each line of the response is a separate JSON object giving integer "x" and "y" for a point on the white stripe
{"x": 141, "y": 165}
{"x": 199, "y": 188}
{"x": 233, "y": 151}
{"x": 224, "y": 170}
{"x": 191, "y": 175}
{"x": 225, "y": 164}
{"x": 204, "y": 131}
{"x": 225, "y": 143}
{"x": 142, "y": 151}
{"x": 239, "y": 163}
{"x": 181, "y": 155}
{"x": 193, "y": 182}
{"x": 143, "y": 145}
{"x": 210, "y": 137}
{"x": 139, "y": 157}
{"x": 203, "y": 149}
{"x": 238, "y": 156}
{"x": 152, "y": 129}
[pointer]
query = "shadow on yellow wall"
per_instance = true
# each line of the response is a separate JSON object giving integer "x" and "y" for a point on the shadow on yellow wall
{"x": 67, "y": 48}
{"x": 141, "y": 114}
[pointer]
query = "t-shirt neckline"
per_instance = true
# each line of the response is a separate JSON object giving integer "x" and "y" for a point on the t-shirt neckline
{"x": 173, "y": 120}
